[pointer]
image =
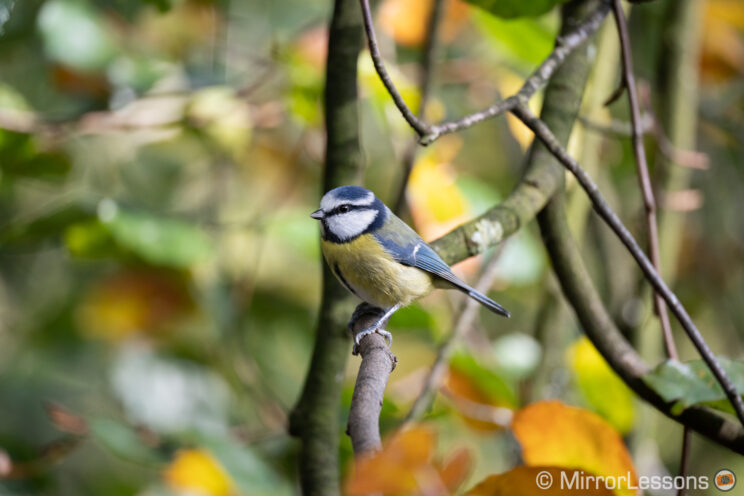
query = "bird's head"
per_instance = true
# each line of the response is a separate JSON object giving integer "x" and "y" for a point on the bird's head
{"x": 347, "y": 212}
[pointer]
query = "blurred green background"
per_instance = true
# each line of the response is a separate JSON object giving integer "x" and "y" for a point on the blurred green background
{"x": 160, "y": 276}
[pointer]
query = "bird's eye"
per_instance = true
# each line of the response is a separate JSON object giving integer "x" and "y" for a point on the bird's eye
{"x": 344, "y": 208}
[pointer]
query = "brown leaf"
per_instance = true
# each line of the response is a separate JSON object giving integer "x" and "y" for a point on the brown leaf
{"x": 456, "y": 469}
{"x": 66, "y": 421}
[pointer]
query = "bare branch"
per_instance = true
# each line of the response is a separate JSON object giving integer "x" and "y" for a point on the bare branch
{"x": 377, "y": 364}
{"x": 429, "y": 133}
{"x": 649, "y": 202}
{"x": 608, "y": 215}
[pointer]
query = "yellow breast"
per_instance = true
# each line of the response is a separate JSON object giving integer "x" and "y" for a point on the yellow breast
{"x": 367, "y": 270}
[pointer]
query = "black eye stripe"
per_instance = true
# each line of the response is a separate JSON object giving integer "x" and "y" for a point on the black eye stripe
{"x": 342, "y": 209}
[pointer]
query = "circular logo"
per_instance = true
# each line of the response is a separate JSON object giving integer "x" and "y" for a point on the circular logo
{"x": 725, "y": 480}
{"x": 545, "y": 479}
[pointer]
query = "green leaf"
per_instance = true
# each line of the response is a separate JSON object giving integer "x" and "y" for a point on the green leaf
{"x": 160, "y": 241}
{"x": 516, "y": 8}
{"x": 155, "y": 240}
{"x": 530, "y": 40}
{"x": 486, "y": 380}
{"x": 692, "y": 383}
{"x": 122, "y": 441}
{"x": 412, "y": 317}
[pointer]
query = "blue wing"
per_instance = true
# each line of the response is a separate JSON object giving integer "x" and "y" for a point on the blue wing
{"x": 407, "y": 247}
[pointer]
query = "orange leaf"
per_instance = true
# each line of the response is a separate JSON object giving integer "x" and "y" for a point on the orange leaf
{"x": 406, "y": 20}
{"x": 457, "y": 468}
{"x": 554, "y": 434}
{"x": 394, "y": 469}
{"x": 535, "y": 481}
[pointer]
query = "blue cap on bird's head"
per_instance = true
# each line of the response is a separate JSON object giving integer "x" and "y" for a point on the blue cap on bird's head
{"x": 352, "y": 195}
{"x": 344, "y": 195}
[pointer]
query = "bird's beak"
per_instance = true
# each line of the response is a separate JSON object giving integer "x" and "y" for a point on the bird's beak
{"x": 318, "y": 214}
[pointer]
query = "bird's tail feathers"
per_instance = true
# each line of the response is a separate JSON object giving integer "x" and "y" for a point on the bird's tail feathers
{"x": 487, "y": 302}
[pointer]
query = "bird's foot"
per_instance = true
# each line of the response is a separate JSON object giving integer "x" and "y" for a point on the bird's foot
{"x": 367, "y": 311}
{"x": 369, "y": 330}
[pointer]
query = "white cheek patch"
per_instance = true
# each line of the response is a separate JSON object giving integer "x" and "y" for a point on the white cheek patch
{"x": 329, "y": 201}
{"x": 351, "y": 224}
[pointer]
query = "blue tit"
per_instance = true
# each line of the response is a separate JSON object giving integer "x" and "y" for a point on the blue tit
{"x": 378, "y": 258}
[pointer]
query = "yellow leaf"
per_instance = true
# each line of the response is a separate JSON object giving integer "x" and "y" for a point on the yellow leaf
{"x": 437, "y": 203}
{"x": 603, "y": 389}
{"x": 509, "y": 83}
{"x": 554, "y": 434}
{"x": 197, "y": 472}
{"x": 723, "y": 42}
{"x": 523, "y": 481}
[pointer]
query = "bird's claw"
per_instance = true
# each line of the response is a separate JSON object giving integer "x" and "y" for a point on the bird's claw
{"x": 369, "y": 330}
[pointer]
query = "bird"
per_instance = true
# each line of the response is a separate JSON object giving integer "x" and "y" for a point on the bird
{"x": 379, "y": 258}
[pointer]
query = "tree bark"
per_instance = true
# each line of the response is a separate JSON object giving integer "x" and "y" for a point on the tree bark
{"x": 315, "y": 418}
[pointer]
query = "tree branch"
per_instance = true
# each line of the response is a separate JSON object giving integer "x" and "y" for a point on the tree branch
{"x": 377, "y": 364}
{"x": 565, "y": 44}
{"x": 649, "y": 201}
{"x": 644, "y": 179}
{"x": 609, "y": 341}
{"x": 315, "y": 418}
{"x": 608, "y": 215}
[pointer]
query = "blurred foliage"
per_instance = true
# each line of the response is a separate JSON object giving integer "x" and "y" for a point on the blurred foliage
{"x": 159, "y": 273}
{"x": 692, "y": 383}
